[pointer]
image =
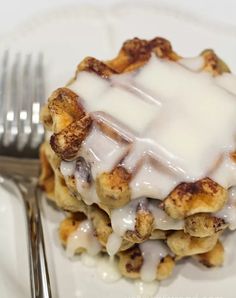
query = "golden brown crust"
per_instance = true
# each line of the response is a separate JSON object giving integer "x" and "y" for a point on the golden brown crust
{"x": 190, "y": 198}
{"x": 46, "y": 118}
{"x": 131, "y": 261}
{"x": 58, "y": 190}
{"x": 213, "y": 63}
{"x": 65, "y": 100}
{"x": 66, "y": 143}
{"x": 113, "y": 188}
{"x": 100, "y": 68}
{"x": 159, "y": 234}
{"x": 65, "y": 199}
{"x": 203, "y": 225}
{"x": 101, "y": 223}
{"x": 68, "y": 121}
{"x": 182, "y": 244}
{"x": 64, "y": 108}
{"x": 233, "y": 156}
{"x": 214, "y": 257}
{"x": 144, "y": 221}
{"x": 70, "y": 225}
{"x": 136, "y": 52}
{"x": 165, "y": 268}
{"x": 102, "y": 227}
{"x": 47, "y": 177}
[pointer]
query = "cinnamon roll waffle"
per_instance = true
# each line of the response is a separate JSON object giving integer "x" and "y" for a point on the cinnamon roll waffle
{"x": 141, "y": 157}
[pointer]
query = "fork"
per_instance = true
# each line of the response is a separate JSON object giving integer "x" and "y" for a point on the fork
{"x": 21, "y": 96}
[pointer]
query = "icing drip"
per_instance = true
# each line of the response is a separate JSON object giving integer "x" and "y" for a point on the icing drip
{"x": 113, "y": 244}
{"x": 152, "y": 251}
{"x": 67, "y": 168}
{"x": 84, "y": 181}
{"x": 88, "y": 192}
{"x": 225, "y": 173}
{"x": 103, "y": 152}
{"x": 195, "y": 63}
{"x": 162, "y": 220}
{"x": 152, "y": 181}
{"x": 123, "y": 219}
{"x": 83, "y": 238}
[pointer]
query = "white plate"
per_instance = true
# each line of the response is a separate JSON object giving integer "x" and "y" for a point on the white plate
{"x": 66, "y": 36}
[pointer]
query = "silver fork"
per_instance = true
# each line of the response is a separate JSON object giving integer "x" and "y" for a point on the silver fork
{"x": 21, "y": 95}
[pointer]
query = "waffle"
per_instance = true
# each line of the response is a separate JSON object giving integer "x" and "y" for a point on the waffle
{"x": 195, "y": 204}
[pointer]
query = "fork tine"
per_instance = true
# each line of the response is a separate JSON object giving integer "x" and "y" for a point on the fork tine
{"x": 38, "y": 90}
{"x": 39, "y": 80}
{"x": 41, "y": 92}
{"x": 25, "y": 116}
{"x": 27, "y": 92}
{"x": 21, "y": 96}
{"x": 10, "y": 103}
{"x": 3, "y": 89}
{"x": 18, "y": 106}
{"x": 14, "y": 99}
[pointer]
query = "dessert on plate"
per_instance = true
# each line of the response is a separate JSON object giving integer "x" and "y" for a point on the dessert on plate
{"x": 142, "y": 158}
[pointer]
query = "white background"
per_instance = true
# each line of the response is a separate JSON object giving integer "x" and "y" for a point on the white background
{"x": 12, "y": 12}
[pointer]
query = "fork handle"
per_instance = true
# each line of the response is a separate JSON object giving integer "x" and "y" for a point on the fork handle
{"x": 39, "y": 276}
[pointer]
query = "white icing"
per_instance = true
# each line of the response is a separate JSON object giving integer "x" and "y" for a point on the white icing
{"x": 87, "y": 191}
{"x": 152, "y": 181}
{"x": 123, "y": 219}
{"x": 227, "y": 81}
{"x": 113, "y": 244}
{"x": 193, "y": 63}
{"x": 225, "y": 173}
{"x": 179, "y": 138}
{"x": 152, "y": 252}
{"x": 162, "y": 221}
{"x": 146, "y": 289}
{"x": 113, "y": 100}
{"x": 104, "y": 152}
{"x": 83, "y": 238}
{"x": 88, "y": 260}
{"x": 228, "y": 213}
{"x": 128, "y": 108}
{"x": 67, "y": 168}
{"x": 90, "y": 87}
{"x": 108, "y": 269}
{"x": 181, "y": 118}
